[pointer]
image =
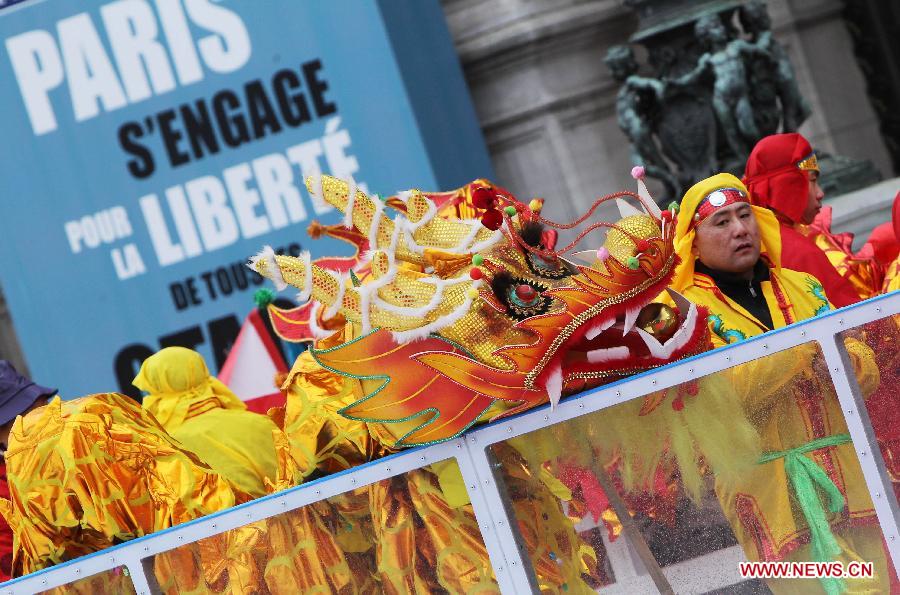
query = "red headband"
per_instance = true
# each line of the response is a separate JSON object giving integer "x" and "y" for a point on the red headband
{"x": 715, "y": 200}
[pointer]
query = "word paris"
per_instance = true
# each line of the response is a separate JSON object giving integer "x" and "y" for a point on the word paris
{"x": 77, "y": 56}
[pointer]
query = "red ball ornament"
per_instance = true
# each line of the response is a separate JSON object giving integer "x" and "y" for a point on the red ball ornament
{"x": 492, "y": 219}
{"x": 642, "y": 245}
{"x": 483, "y": 198}
{"x": 476, "y": 273}
{"x": 666, "y": 215}
{"x": 526, "y": 292}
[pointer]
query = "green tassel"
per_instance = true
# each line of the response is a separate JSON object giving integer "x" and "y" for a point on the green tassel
{"x": 633, "y": 263}
{"x": 263, "y": 296}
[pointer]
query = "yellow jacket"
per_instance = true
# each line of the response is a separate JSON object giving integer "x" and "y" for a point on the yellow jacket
{"x": 791, "y": 407}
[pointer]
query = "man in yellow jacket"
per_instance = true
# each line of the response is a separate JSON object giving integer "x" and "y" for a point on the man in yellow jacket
{"x": 806, "y": 499}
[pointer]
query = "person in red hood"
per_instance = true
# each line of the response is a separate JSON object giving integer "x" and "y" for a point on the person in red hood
{"x": 782, "y": 174}
{"x": 18, "y": 396}
{"x": 884, "y": 244}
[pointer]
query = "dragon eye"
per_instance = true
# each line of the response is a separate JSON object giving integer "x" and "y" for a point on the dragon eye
{"x": 524, "y": 295}
{"x": 523, "y": 298}
{"x": 549, "y": 268}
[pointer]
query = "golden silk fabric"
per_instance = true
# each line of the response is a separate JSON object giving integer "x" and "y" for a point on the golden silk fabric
{"x": 423, "y": 533}
{"x": 892, "y": 277}
{"x": 116, "y": 475}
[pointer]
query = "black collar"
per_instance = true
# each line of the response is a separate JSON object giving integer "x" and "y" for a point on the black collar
{"x": 720, "y": 278}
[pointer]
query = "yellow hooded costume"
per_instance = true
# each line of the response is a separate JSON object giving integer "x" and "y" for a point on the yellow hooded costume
{"x": 289, "y": 553}
{"x": 806, "y": 499}
{"x": 205, "y": 416}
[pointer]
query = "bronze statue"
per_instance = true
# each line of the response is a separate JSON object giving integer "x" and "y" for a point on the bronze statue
{"x": 637, "y": 105}
{"x": 756, "y": 23}
{"x": 730, "y": 95}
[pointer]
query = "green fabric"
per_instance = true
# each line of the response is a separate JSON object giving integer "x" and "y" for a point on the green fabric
{"x": 807, "y": 478}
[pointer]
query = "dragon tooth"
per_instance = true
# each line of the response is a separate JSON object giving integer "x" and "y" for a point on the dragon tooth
{"x": 631, "y": 315}
{"x": 599, "y": 356}
{"x": 681, "y": 302}
{"x": 553, "y": 386}
{"x": 684, "y": 333}
{"x": 592, "y": 332}
{"x": 657, "y": 349}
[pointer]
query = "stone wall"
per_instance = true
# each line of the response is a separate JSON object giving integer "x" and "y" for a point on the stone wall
{"x": 546, "y": 101}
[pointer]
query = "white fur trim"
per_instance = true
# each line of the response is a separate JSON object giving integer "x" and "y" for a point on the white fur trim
{"x": 376, "y": 223}
{"x": 351, "y": 200}
{"x": 434, "y": 302}
{"x": 342, "y": 282}
{"x": 553, "y": 385}
{"x": 463, "y": 247}
{"x": 316, "y": 191}
{"x": 493, "y": 239}
{"x": 306, "y": 290}
{"x": 268, "y": 255}
{"x": 428, "y": 216}
{"x": 366, "y": 291}
{"x": 404, "y": 195}
{"x": 422, "y": 332}
{"x": 317, "y": 331}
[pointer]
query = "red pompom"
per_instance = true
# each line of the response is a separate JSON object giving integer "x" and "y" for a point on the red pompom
{"x": 643, "y": 245}
{"x": 483, "y": 198}
{"x": 492, "y": 219}
{"x": 526, "y": 292}
{"x": 666, "y": 215}
{"x": 476, "y": 273}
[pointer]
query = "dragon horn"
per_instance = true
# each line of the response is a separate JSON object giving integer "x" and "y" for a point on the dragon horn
{"x": 421, "y": 227}
{"x": 312, "y": 281}
{"x": 364, "y": 213}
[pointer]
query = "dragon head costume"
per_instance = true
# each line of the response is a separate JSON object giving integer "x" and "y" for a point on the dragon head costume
{"x": 450, "y": 318}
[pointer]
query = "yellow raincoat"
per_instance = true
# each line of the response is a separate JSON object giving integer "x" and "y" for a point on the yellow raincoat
{"x": 797, "y": 416}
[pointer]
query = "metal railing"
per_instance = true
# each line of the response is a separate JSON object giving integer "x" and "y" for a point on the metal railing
{"x": 512, "y": 569}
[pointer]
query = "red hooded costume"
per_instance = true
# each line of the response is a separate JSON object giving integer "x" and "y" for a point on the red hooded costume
{"x": 776, "y": 181}
{"x": 884, "y": 241}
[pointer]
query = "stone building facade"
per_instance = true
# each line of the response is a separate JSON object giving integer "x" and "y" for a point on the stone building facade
{"x": 547, "y": 102}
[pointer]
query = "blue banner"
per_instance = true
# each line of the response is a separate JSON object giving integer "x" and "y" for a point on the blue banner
{"x": 150, "y": 147}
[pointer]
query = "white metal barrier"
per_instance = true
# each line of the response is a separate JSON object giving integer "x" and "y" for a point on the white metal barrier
{"x": 512, "y": 569}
